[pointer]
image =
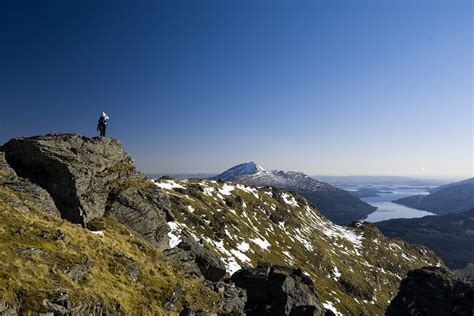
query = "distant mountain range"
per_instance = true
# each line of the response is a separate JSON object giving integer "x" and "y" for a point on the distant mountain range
{"x": 336, "y": 204}
{"x": 451, "y": 198}
{"x": 370, "y": 181}
{"x": 450, "y": 236}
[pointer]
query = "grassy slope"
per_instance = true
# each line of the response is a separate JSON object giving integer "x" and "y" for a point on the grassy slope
{"x": 369, "y": 270}
{"x": 28, "y": 278}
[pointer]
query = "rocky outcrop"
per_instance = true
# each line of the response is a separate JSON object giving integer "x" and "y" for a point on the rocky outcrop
{"x": 278, "y": 290}
{"x": 433, "y": 291}
{"x": 88, "y": 177}
{"x": 76, "y": 171}
{"x": 197, "y": 259}
{"x": 32, "y": 195}
{"x": 142, "y": 209}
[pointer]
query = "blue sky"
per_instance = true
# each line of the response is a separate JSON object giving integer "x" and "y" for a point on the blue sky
{"x": 324, "y": 87}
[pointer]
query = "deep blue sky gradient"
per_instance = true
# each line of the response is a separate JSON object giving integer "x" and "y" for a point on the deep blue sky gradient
{"x": 324, "y": 87}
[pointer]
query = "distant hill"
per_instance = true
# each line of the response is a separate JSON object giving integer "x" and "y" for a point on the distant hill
{"x": 336, "y": 204}
{"x": 453, "y": 198}
{"x": 366, "y": 192}
{"x": 467, "y": 181}
{"x": 450, "y": 236}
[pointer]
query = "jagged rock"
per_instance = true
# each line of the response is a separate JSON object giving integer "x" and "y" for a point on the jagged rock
{"x": 59, "y": 305}
{"x": 187, "y": 259}
{"x": 197, "y": 259}
{"x": 433, "y": 291}
{"x": 73, "y": 169}
{"x": 278, "y": 290}
{"x": 233, "y": 298}
{"x": 27, "y": 193}
{"x": 144, "y": 211}
{"x": 133, "y": 268}
{"x": 5, "y": 169}
{"x": 78, "y": 271}
{"x": 30, "y": 195}
{"x": 172, "y": 302}
{"x": 87, "y": 177}
{"x": 32, "y": 251}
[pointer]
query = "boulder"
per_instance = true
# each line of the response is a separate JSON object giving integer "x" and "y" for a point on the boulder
{"x": 75, "y": 170}
{"x": 433, "y": 291}
{"x": 144, "y": 210}
{"x": 278, "y": 290}
{"x": 198, "y": 260}
{"x": 233, "y": 298}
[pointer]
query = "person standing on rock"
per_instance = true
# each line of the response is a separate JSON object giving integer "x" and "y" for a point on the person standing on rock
{"x": 102, "y": 124}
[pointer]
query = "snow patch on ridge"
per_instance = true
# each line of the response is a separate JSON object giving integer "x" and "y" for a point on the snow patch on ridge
{"x": 243, "y": 247}
{"x": 330, "y": 306}
{"x": 227, "y": 189}
{"x": 264, "y": 244}
{"x": 248, "y": 190}
{"x": 168, "y": 184}
{"x": 173, "y": 235}
{"x": 289, "y": 199}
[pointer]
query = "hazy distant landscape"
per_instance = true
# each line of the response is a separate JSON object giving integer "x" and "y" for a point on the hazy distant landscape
{"x": 380, "y": 191}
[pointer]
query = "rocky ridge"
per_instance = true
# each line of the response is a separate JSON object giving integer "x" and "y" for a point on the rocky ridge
{"x": 101, "y": 238}
{"x": 355, "y": 269}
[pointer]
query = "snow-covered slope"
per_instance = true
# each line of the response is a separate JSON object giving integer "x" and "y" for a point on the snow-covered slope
{"x": 336, "y": 204}
{"x": 355, "y": 269}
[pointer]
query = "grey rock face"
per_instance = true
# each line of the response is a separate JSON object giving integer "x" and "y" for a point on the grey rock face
{"x": 433, "y": 291}
{"x": 197, "y": 259}
{"x": 5, "y": 169}
{"x": 233, "y": 298}
{"x": 73, "y": 169}
{"x": 58, "y": 304}
{"x": 277, "y": 290}
{"x": 143, "y": 210}
{"x": 28, "y": 194}
{"x": 78, "y": 271}
{"x": 133, "y": 268}
{"x": 88, "y": 177}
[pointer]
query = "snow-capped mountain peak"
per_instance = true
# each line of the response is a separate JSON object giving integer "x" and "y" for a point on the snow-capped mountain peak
{"x": 336, "y": 204}
{"x": 244, "y": 169}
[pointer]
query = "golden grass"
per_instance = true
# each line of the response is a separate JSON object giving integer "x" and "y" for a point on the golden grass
{"x": 27, "y": 279}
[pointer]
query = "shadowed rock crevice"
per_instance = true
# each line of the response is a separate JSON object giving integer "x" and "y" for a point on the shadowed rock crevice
{"x": 40, "y": 171}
